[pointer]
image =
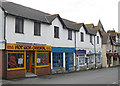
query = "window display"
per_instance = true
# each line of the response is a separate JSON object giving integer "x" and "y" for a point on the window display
{"x": 81, "y": 60}
{"x": 15, "y": 60}
{"x": 71, "y": 59}
{"x": 91, "y": 59}
{"x": 57, "y": 60}
{"x": 42, "y": 59}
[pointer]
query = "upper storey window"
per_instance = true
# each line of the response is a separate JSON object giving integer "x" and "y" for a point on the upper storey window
{"x": 69, "y": 34}
{"x": 19, "y": 24}
{"x": 37, "y": 29}
{"x": 82, "y": 37}
{"x": 56, "y": 32}
{"x": 97, "y": 39}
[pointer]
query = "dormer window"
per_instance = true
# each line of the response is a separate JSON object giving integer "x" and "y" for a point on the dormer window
{"x": 90, "y": 38}
{"x": 69, "y": 34}
{"x": 97, "y": 39}
{"x": 56, "y": 32}
{"x": 82, "y": 37}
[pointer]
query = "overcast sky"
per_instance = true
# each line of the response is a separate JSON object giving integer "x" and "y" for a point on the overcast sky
{"x": 86, "y": 11}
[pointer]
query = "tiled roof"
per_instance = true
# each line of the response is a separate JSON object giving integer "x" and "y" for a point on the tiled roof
{"x": 105, "y": 38}
{"x": 26, "y": 12}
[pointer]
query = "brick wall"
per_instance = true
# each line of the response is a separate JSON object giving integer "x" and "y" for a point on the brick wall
{"x": 42, "y": 71}
{"x": 15, "y": 74}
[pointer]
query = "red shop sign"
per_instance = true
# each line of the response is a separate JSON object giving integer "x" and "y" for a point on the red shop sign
{"x": 109, "y": 54}
{"x": 115, "y": 54}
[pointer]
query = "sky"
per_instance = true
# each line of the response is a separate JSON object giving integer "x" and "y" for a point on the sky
{"x": 80, "y": 11}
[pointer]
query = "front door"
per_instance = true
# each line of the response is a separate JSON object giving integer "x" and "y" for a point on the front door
{"x": 77, "y": 64}
{"x": 66, "y": 62}
{"x": 28, "y": 61}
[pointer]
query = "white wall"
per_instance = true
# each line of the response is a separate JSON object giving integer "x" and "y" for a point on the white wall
{"x": 2, "y": 44}
{"x": 98, "y": 46}
{"x": 47, "y": 34}
{"x": 86, "y": 44}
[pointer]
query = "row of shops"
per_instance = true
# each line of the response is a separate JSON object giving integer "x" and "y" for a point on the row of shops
{"x": 42, "y": 60}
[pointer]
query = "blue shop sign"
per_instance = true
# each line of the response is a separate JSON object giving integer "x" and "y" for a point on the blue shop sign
{"x": 62, "y": 49}
{"x": 80, "y": 51}
{"x": 94, "y": 52}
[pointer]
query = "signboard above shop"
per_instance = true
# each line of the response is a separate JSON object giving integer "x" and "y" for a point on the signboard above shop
{"x": 80, "y": 52}
{"x": 27, "y": 47}
{"x": 94, "y": 52}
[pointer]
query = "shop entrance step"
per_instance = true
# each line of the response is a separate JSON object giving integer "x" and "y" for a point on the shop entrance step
{"x": 30, "y": 74}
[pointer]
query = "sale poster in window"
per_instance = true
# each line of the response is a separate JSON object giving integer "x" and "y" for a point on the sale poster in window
{"x": 42, "y": 59}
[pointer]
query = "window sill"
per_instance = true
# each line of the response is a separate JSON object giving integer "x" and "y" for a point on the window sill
{"x": 42, "y": 66}
{"x": 56, "y": 37}
{"x": 9, "y": 69}
{"x": 19, "y": 33}
{"x": 36, "y": 35}
{"x": 57, "y": 67}
{"x": 69, "y": 39}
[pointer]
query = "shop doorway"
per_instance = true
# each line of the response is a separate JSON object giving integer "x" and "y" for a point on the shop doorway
{"x": 66, "y": 62}
{"x": 30, "y": 55}
{"x": 109, "y": 60}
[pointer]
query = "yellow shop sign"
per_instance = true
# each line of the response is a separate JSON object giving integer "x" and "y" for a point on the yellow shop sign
{"x": 27, "y": 47}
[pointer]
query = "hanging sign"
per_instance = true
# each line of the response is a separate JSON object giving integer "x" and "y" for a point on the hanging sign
{"x": 27, "y": 47}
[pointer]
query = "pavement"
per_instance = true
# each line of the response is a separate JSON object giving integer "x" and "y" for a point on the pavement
{"x": 97, "y": 76}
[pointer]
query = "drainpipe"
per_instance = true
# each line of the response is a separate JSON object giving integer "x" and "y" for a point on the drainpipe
{"x": 75, "y": 50}
{"x": 5, "y": 28}
{"x": 5, "y": 59}
{"x": 95, "y": 52}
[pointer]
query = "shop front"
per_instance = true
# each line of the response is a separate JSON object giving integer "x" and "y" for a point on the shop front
{"x": 94, "y": 59}
{"x": 81, "y": 60}
{"x": 115, "y": 59}
{"x": 22, "y": 59}
{"x": 62, "y": 59}
{"x": 109, "y": 59}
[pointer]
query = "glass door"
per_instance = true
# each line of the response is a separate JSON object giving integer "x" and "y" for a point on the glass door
{"x": 66, "y": 62}
{"x": 28, "y": 61}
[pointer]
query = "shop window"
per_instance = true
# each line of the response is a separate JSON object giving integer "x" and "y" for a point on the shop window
{"x": 19, "y": 24}
{"x": 109, "y": 60}
{"x": 69, "y": 34}
{"x": 91, "y": 59}
{"x": 98, "y": 59}
{"x": 42, "y": 59}
{"x": 15, "y": 60}
{"x": 115, "y": 58}
{"x": 81, "y": 60}
{"x": 57, "y": 60}
{"x": 56, "y": 32}
{"x": 37, "y": 29}
{"x": 71, "y": 59}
